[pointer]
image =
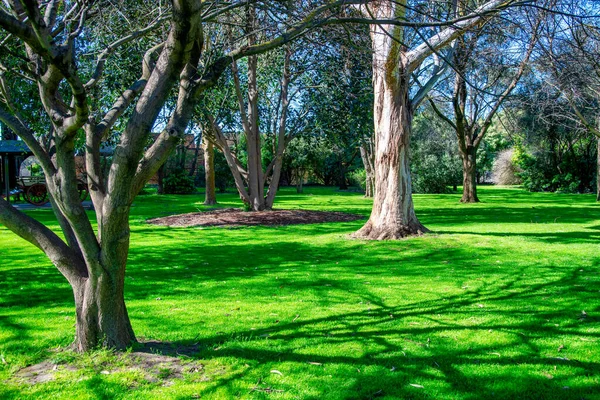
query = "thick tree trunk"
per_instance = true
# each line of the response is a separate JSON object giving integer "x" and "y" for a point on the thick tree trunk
{"x": 393, "y": 215}
{"x": 469, "y": 161}
{"x": 210, "y": 197}
{"x": 102, "y": 319}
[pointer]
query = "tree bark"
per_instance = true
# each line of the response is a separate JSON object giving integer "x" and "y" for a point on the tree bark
{"x": 210, "y": 197}
{"x": 102, "y": 318}
{"x": 469, "y": 163}
{"x": 393, "y": 215}
{"x": 366, "y": 153}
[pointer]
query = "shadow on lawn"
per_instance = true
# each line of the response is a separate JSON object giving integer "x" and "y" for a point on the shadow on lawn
{"x": 399, "y": 353}
{"x": 509, "y": 297}
{"x": 389, "y": 370}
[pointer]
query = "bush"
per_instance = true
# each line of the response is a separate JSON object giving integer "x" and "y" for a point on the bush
{"x": 505, "y": 171}
{"x": 539, "y": 172}
{"x": 178, "y": 182}
{"x": 223, "y": 176}
{"x": 358, "y": 178}
{"x": 433, "y": 174}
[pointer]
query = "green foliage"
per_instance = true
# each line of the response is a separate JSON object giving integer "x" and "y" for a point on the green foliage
{"x": 486, "y": 306}
{"x": 433, "y": 174}
{"x": 539, "y": 172}
{"x": 35, "y": 169}
{"x": 435, "y": 163}
{"x": 178, "y": 182}
{"x": 358, "y": 178}
{"x": 223, "y": 176}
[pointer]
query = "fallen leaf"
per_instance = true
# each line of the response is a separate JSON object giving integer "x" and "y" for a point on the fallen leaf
{"x": 274, "y": 371}
{"x": 560, "y": 347}
{"x": 547, "y": 375}
{"x": 417, "y": 386}
{"x": 105, "y": 372}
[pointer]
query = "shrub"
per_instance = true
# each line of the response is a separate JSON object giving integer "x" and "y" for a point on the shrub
{"x": 358, "y": 178}
{"x": 178, "y": 182}
{"x": 433, "y": 174}
{"x": 505, "y": 171}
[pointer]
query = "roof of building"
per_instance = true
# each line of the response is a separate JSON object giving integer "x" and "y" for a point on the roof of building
{"x": 13, "y": 147}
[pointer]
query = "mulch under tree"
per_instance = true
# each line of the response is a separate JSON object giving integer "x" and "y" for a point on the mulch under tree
{"x": 233, "y": 217}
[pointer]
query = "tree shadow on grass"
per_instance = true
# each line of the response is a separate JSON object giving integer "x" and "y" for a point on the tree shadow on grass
{"x": 518, "y": 365}
{"x": 400, "y": 355}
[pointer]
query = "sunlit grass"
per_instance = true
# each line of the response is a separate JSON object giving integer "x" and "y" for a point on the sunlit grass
{"x": 488, "y": 305}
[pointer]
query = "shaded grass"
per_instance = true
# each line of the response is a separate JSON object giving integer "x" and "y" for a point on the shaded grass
{"x": 489, "y": 305}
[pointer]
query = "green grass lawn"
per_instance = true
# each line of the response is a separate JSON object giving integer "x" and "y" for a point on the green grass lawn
{"x": 490, "y": 305}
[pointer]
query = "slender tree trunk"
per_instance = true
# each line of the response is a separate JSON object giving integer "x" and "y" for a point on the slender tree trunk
{"x": 299, "y": 185}
{"x": 160, "y": 176}
{"x": 343, "y": 181}
{"x": 210, "y": 197}
{"x": 469, "y": 161}
{"x": 255, "y": 169}
{"x": 366, "y": 153}
{"x": 281, "y": 139}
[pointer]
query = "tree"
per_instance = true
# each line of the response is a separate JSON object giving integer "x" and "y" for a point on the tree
{"x": 570, "y": 61}
{"x": 51, "y": 39}
{"x": 484, "y": 76}
{"x": 393, "y": 215}
{"x": 210, "y": 197}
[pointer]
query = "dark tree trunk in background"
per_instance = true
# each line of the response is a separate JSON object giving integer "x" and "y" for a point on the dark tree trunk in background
{"x": 210, "y": 197}
{"x": 160, "y": 177}
{"x": 469, "y": 163}
{"x": 343, "y": 183}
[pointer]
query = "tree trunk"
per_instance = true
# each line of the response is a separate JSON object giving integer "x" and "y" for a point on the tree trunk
{"x": 102, "y": 318}
{"x": 366, "y": 154}
{"x": 210, "y": 197}
{"x": 469, "y": 161}
{"x": 343, "y": 183}
{"x": 160, "y": 177}
{"x": 393, "y": 215}
{"x": 253, "y": 142}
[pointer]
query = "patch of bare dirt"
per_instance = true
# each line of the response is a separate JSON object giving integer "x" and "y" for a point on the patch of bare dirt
{"x": 233, "y": 217}
{"x": 156, "y": 361}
